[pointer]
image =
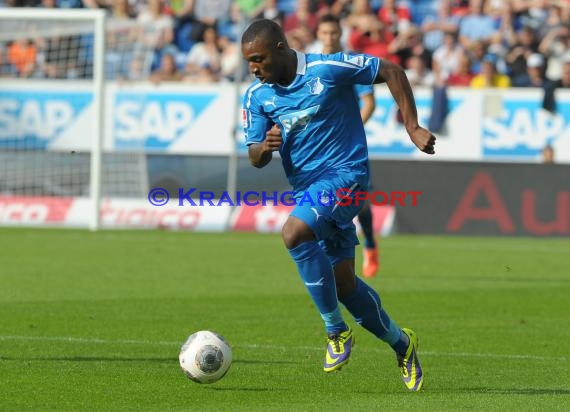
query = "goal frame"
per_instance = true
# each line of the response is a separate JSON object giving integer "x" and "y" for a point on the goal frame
{"x": 98, "y": 18}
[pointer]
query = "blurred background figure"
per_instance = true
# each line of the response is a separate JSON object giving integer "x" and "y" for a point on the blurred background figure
{"x": 167, "y": 71}
{"x": 463, "y": 75}
{"x": 548, "y": 155}
{"x": 549, "y": 100}
{"x": 535, "y": 75}
{"x": 395, "y": 17}
{"x": 489, "y": 77}
{"x": 156, "y": 31}
{"x": 476, "y": 26}
{"x": 436, "y": 27}
{"x": 418, "y": 74}
{"x": 446, "y": 58}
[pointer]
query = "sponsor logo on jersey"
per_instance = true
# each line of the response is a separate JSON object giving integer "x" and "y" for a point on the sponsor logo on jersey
{"x": 297, "y": 121}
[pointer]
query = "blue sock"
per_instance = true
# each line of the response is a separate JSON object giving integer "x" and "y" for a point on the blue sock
{"x": 365, "y": 219}
{"x": 365, "y": 305}
{"x": 317, "y": 274}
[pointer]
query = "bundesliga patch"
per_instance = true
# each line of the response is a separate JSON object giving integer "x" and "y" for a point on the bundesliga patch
{"x": 244, "y": 117}
{"x": 356, "y": 60}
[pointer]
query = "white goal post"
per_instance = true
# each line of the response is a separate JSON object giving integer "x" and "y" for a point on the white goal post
{"x": 24, "y": 22}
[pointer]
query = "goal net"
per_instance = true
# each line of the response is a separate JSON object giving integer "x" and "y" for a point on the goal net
{"x": 54, "y": 70}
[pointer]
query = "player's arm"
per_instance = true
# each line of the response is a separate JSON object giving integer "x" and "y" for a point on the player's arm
{"x": 401, "y": 90}
{"x": 368, "y": 106}
{"x": 260, "y": 154}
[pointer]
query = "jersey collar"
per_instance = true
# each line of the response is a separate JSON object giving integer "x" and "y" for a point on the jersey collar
{"x": 301, "y": 62}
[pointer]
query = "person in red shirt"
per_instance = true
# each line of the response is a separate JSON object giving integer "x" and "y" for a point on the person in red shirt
{"x": 371, "y": 38}
{"x": 303, "y": 16}
{"x": 394, "y": 17}
{"x": 463, "y": 75}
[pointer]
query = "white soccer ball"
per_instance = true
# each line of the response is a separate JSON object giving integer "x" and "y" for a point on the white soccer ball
{"x": 205, "y": 357}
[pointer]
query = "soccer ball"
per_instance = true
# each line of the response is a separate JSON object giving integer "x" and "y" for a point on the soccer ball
{"x": 205, "y": 357}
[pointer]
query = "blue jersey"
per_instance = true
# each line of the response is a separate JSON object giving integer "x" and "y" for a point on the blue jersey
{"x": 318, "y": 114}
{"x": 363, "y": 89}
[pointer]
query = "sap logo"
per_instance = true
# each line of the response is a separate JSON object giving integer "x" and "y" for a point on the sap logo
{"x": 38, "y": 118}
{"x": 315, "y": 86}
{"x": 164, "y": 121}
{"x": 385, "y": 135}
{"x": 522, "y": 129}
{"x": 298, "y": 121}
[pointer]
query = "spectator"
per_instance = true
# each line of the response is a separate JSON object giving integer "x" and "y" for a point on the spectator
{"x": 463, "y": 75}
{"x": 371, "y": 38}
{"x": 302, "y": 17}
{"x": 410, "y": 43}
{"x": 434, "y": 28}
{"x": 554, "y": 19}
{"x": 548, "y": 155}
{"x": 59, "y": 56}
{"x": 229, "y": 58}
{"x": 204, "y": 60}
{"x": 156, "y": 30}
{"x": 251, "y": 8}
{"x": 270, "y": 11}
{"x": 489, "y": 77}
{"x": 446, "y": 58}
{"x": 211, "y": 12}
{"x": 535, "y": 75}
{"x": 395, "y": 17}
{"x": 555, "y": 45}
{"x": 549, "y": 99}
{"x": 361, "y": 14}
{"x": 167, "y": 71}
{"x": 22, "y": 54}
{"x": 418, "y": 74}
{"x": 476, "y": 26}
{"x": 459, "y": 8}
{"x": 517, "y": 56}
{"x": 477, "y": 52}
{"x": 533, "y": 13}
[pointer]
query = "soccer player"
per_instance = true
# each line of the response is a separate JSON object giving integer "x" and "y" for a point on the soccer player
{"x": 304, "y": 106}
{"x": 329, "y": 33}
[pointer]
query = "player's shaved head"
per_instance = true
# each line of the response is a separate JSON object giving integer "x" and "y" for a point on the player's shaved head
{"x": 269, "y": 57}
{"x": 264, "y": 29}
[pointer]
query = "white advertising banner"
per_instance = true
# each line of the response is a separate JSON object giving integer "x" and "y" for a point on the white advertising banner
{"x": 482, "y": 125}
{"x": 115, "y": 213}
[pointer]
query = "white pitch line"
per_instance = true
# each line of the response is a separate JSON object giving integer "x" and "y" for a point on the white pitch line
{"x": 73, "y": 339}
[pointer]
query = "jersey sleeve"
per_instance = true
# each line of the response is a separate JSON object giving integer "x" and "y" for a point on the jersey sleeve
{"x": 254, "y": 121}
{"x": 363, "y": 89}
{"x": 352, "y": 69}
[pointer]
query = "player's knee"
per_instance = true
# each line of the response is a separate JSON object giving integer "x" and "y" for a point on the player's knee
{"x": 295, "y": 232}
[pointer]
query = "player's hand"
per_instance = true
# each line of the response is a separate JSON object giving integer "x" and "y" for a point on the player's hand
{"x": 423, "y": 139}
{"x": 273, "y": 139}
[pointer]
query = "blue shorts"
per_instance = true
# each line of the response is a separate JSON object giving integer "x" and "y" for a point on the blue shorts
{"x": 331, "y": 222}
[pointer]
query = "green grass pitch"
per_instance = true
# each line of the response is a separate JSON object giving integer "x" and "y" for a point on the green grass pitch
{"x": 94, "y": 321}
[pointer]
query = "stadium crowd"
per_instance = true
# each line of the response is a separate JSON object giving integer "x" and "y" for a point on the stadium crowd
{"x": 471, "y": 43}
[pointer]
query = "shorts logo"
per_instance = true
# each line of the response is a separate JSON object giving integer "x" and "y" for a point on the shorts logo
{"x": 315, "y": 86}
